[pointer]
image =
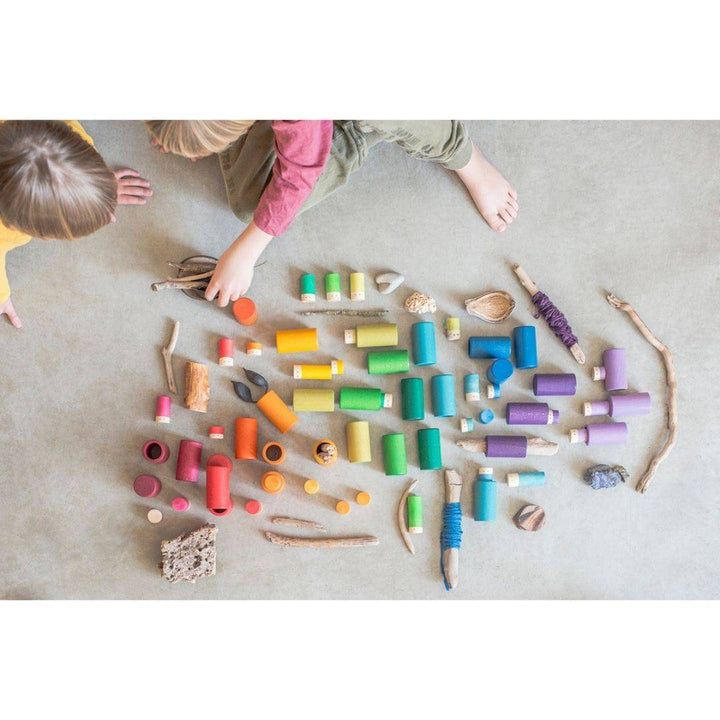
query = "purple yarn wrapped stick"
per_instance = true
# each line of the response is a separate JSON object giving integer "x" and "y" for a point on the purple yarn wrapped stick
{"x": 555, "y": 319}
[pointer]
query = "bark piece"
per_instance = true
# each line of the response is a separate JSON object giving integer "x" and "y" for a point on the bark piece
{"x": 197, "y": 387}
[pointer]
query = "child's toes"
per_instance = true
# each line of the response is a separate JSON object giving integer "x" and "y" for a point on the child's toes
{"x": 513, "y": 204}
{"x": 512, "y": 193}
{"x": 505, "y": 215}
{"x": 511, "y": 211}
{"x": 498, "y": 224}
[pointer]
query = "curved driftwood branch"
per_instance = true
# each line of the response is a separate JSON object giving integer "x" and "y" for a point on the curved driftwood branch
{"x": 331, "y": 542}
{"x": 167, "y": 352}
{"x": 402, "y": 525}
{"x": 296, "y": 522}
{"x": 672, "y": 414}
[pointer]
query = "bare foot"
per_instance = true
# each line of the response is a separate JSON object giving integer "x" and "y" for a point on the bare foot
{"x": 493, "y": 195}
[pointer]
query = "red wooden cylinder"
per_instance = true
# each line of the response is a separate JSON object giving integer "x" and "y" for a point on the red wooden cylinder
{"x": 217, "y": 474}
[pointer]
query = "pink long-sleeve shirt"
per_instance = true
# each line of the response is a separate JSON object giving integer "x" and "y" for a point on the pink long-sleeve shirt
{"x": 302, "y": 148}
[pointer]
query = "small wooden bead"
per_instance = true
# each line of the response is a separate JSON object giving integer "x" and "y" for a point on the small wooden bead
{"x": 530, "y": 517}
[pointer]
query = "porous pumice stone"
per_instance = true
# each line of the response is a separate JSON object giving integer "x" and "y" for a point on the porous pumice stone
{"x": 420, "y": 304}
{"x": 530, "y": 517}
{"x": 190, "y": 556}
{"x": 599, "y": 477}
{"x": 389, "y": 282}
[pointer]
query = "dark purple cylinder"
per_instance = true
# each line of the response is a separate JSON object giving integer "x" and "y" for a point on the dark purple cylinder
{"x": 547, "y": 384}
{"x": 506, "y": 446}
{"x": 530, "y": 414}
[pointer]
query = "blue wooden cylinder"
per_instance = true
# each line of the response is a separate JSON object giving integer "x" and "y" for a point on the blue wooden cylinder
{"x": 471, "y": 387}
{"x": 498, "y": 372}
{"x": 489, "y": 347}
{"x": 442, "y": 388}
{"x": 485, "y": 496}
{"x": 423, "y": 343}
{"x": 525, "y": 347}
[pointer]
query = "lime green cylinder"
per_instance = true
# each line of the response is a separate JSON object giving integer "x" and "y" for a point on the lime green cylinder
{"x": 388, "y": 361}
{"x": 394, "y": 454}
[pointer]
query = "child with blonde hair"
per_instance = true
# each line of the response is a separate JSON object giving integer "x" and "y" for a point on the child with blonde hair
{"x": 275, "y": 169}
{"x": 55, "y": 185}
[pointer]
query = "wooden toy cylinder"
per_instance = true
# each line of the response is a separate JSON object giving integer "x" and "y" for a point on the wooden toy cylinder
{"x": 467, "y": 425}
{"x": 226, "y": 352}
{"x": 197, "y": 387}
{"x": 413, "y": 399}
{"x": 358, "y": 441}
{"x": 332, "y": 287}
{"x": 485, "y": 496}
{"x": 452, "y": 328}
{"x": 373, "y": 335}
{"x": 307, "y": 288}
{"x": 506, "y": 446}
{"x": 273, "y": 453}
{"x": 358, "y": 398}
{"x": 296, "y": 340}
{"x": 429, "y": 453}
{"x": 499, "y": 372}
{"x": 613, "y": 370}
{"x": 442, "y": 388}
{"x": 272, "y": 482}
{"x": 188, "y": 461}
{"x": 423, "y": 343}
{"x": 525, "y": 479}
{"x": 319, "y": 372}
{"x": 415, "y": 514}
{"x": 146, "y": 486}
{"x": 548, "y": 384}
{"x": 217, "y": 485}
{"x": 525, "y": 347}
{"x": 613, "y": 433}
{"x": 388, "y": 361}
{"x": 313, "y": 400}
{"x": 530, "y": 414}
{"x": 325, "y": 452}
{"x": 394, "y": 454}
{"x": 245, "y": 311}
{"x": 155, "y": 451}
{"x": 162, "y": 409}
{"x": 246, "y": 438}
{"x": 471, "y": 387}
{"x": 484, "y": 347}
{"x": 619, "y": 405}
{"x": 276, "y": 411}
{"x": 357, "y": 286}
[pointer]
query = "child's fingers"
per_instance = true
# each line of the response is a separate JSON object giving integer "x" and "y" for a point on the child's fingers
{"x": 236, "y": 296}
{"x": 135, "y": 181}
{"x": 211, "y": 290}
{"x": 140, "y": 190}
{"x": 13, "y": 317}
{"x": 224, "y": 297}
{"x": 131, "y": 200}
{"x": 125, "y": 172}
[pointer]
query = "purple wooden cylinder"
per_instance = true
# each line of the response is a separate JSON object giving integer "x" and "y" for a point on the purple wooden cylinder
{"x": 506, "y": 446}
{"x": 530, "y": 414}
{"x": 613, "y": 370}
{"x": 619, "y": 405}
{"x": 601, "y": 434}
{"x": 547, "y": 384}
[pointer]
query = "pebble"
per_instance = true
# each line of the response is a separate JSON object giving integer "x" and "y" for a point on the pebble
{"x": 599, "y": 477}
{"x": 389, "y": 282}
{"x": 530, "y": 517}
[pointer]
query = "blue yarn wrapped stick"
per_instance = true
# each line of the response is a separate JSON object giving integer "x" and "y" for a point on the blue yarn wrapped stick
{"x": 452, "y": 530}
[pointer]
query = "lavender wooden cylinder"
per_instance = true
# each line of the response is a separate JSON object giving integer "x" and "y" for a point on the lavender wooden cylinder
{"x": 601, "y": 434}
{"x": 551, "y": 384}
{"x": 530, "y": 414}
{"x": 613, "y": 370}
{"x": 506, "y": 446}
{"x": 619, "y": 405}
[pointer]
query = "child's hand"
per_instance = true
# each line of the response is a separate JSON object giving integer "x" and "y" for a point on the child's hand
{"x": 236, "y": 267}
{"x": 7, "y": 308}
{"x": 131, "y": 188}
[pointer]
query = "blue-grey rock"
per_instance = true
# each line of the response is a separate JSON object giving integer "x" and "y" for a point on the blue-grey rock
{"x": 605, "y": 476}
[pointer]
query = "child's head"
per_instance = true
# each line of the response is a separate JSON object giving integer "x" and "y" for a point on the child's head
{"x": 196, "y": 138}
{"x": 53, "y": 184}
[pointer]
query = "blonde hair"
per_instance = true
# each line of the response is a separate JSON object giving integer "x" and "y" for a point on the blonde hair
{"x": 196, "y": 138}
{"x": 53, "y": 184}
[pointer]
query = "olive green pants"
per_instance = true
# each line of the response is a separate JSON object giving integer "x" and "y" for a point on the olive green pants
{"x": 247, "y": 164}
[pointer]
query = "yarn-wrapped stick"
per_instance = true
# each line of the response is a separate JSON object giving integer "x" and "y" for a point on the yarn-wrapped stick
{"x": 452, "y": 530}
{"x": 672, "y": 414}
{"x": 557, "y": 322}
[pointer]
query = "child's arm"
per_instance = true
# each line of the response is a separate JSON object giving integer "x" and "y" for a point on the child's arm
{"x": 6, "y": 306}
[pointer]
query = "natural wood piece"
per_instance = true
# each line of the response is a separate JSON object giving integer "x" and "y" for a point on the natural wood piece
{"x": 402, "y": 525}
{"x": 451, "y": 556}
{"x": 533, "y": 289}
{"x": 197, "y": 386}
{"x": 296, "y": 522}
{"x": 530, "y": 518}
{"x": 167, "y": 352}
{"x": 331, "y": 542}
{"x": 672, "y": 414}
{"x": 535, "y": 446}
{"x": 347, "y": 313}
{"x": 178, "y": 285}
{"x": 492, "y": 307}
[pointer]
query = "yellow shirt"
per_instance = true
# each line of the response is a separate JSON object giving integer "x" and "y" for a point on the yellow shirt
{"x": 10, "y": 239}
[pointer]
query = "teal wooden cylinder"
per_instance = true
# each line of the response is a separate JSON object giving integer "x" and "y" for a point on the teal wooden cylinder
{"x": 413, "y": 400}
{"x": 485, "y": 496}
{"x": 394, "y": 454}
{"x": 423, "y": 343}
{"x": 442, "y": 388}
{"x": 525, "y": 479}
{"x": 429, "y": 455}
{"x": 384, "y": 362}
{"x": 307, "y": 287}
{"x": 489, "y": 347}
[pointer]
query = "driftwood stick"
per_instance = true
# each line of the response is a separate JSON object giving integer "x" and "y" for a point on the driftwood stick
{"x": 672, "y": 413}
{"x": 349, "y": 313}
{"x": 331, "y": 542}
{"x": 192, "y": 278}
{"x": 451, "y": 556}
{"x": 178, "y": 285}
{"x": 296, "y": 522}
{"x": 535, "y": 446}
{"x": 192, "y": 266}
{"x": 167, "y": 352}
{"x": 402, "y": 525}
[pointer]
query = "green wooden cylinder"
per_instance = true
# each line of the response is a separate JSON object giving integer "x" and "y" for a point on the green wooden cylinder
{"x": 388, "y": 361}
{"x": 413, "y": 399}
{"x": 429, "y": 455}
{"x": 394, "y": 454}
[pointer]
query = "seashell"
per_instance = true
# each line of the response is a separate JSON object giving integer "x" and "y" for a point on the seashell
{"x": 389, "y": 282}
{"x": 599, "y": 477}
{"x": 492, "y": 307}
{"x": 420, "y": 304}
{"x": 530, "y": 518}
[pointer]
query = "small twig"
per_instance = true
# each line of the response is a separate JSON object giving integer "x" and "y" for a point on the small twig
{"x": 192, "y": 267}
{"x": 672, "y": 414}
{"x": 167, "y": 352}
{"x": 178, "y": 285}
{"x": 402, "y": 525}
{"x": 296, "y": 522}
{"x": 350, "y": 313}
{"x": 191, "y": 278}
{"x": 333, "y": 542}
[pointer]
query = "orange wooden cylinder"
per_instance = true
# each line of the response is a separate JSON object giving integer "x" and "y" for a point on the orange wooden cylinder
{"x": 273, "y": 453}
{"x": 299, "y": 340}
{"x": 276, "y": 411}
{"x": 246, "y": 438}
{"x": 217, "y": 485}
{"x": 245, "y": 311}
{"x": 272, "y": 482}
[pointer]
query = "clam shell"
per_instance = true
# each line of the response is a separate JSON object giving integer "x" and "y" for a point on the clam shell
{"x": 492, "y": 307}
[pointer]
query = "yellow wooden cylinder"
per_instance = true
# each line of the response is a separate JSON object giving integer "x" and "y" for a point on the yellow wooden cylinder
{"x": 298, "y": 340}
{"x": 375, "y": 335}
{"x": 358, "y": 440}
{"x": 315, "y": 400}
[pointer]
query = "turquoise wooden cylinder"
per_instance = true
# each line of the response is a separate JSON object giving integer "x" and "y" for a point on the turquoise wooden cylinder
{"x": 429, "y": 455}
{"x": 471, "y": 387}
{"x": 525, "y": 479}
{"x": 485, "y": 496}
{"x": 442, "y": 388}
{"x": 498, "y": 372}
{"x": 413, "y": 399}
{"x": 525, "y": 347}
{"x": 484, "y": 347}
{"x": 423, "y": 343}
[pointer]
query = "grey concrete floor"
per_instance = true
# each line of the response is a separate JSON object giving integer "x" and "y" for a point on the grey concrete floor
{"x": 628, "y": 207}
